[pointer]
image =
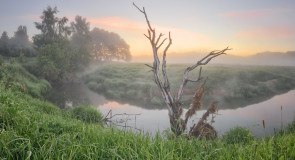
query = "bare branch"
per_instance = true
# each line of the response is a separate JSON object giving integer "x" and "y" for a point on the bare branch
{"x": 178, "y": 125}
{"x": 159, "y": 38}
{"x": 149, "y": 66}
{"x": 166, "y": 81}
{"x": 143, "y": 11}
{"x": 170, "y": 42}
{"x": 205, "y": 60}
{"x": 138, "y": 8}
{"x": 147, "y": 36}
{"x": 125, "y": 114}
{"x": 161, "y": 43}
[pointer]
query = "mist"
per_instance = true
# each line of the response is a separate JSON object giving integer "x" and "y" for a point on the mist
{"x": 264, "y": 58}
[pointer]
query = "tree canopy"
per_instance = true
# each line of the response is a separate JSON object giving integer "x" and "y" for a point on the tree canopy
{"x": 18, "y": 45}
{"x": 108, "y": 46}
{"x": 52, "y": 28}
{"x": 62, "y": 47}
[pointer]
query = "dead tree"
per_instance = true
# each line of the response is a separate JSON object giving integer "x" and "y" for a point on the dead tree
{"x": 178, "y": 124}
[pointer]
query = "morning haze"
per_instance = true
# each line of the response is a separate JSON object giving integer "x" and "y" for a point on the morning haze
{"x": 150, "y": 79}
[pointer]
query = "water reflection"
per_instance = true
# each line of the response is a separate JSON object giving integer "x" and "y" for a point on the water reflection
{"x": 157, "y": 119}
{"x": 73, "y": 94}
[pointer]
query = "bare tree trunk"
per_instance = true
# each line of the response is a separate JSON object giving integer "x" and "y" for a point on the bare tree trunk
{"x": 177, "y": 124}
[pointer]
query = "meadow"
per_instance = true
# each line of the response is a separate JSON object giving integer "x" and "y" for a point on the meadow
{"x": 31, "y": 128}
{"x": 230, "y": 86}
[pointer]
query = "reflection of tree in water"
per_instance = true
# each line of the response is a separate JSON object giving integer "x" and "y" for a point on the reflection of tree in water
{"x": 73, "y": 94}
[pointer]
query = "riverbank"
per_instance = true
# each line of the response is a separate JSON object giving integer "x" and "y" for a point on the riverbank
{"x": 34, "y": 129}
{"x": 31, "y": 128}
{"x": 230, "y": 86}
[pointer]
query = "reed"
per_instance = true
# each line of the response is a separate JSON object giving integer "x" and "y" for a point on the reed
{"x": 281, "y": 117}
{"x": 263, "y": 124}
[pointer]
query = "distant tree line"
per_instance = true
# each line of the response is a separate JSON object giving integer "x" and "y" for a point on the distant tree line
{"x": 17, "y": 45}
{"x": 61, "y": 48}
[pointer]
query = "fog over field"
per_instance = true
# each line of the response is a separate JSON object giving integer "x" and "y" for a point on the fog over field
{"x": 264, "y": 58}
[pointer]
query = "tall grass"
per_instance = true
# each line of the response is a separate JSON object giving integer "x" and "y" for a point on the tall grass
{"x": 15, "y": 75}
{"x": 33, "y": 129}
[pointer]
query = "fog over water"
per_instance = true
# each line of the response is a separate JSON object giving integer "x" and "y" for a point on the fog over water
{"x": 265, "y": 58}
{"x": 154, "y": 120}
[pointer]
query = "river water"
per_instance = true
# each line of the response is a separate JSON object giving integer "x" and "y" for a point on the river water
{"x": 154, "y": 120}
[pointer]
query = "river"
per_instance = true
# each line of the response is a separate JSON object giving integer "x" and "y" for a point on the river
{"x": 154, "y": 120}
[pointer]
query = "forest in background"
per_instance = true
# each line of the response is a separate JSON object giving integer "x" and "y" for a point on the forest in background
{"x": 62, "y": 48}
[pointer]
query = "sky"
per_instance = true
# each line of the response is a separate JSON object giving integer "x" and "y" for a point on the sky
{"x": 196, "y": 26}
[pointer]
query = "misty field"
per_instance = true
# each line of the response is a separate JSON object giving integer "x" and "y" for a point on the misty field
{"x": 35, "y": 129}
{"x": 230, "y": 86}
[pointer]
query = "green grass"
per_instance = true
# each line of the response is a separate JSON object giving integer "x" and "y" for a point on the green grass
{"x": 34, "y": 129}
{"x": 237, "y": 135}
{"x": 86, "y": 113}
{"x": 16, "y": 76}
{"x": 231, "y": 86}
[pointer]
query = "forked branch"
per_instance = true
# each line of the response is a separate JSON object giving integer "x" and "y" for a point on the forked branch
{"x": 178, "y": 125}
{"x": 205, "y": 60}
{"x": 165, "y": 87}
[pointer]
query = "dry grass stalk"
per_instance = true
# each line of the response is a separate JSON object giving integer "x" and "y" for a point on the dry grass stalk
{"x": 196, "y": 103}
{"x": 203, "y": 129}
{"x": 24, "y": 88}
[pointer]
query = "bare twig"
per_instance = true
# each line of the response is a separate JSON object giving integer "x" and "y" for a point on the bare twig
{"x": 205, "y": 60}
{"x": 124, "y": 114}
{"x": 178, "y": 125}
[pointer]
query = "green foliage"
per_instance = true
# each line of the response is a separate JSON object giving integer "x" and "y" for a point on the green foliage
{"x": 284, "y": 83}
{"x": 109, "y": 46}
{"x": 33, "y": 129}
{"x": 86, "y": 114}
{"x": 237, "y": 135}
{"x": 133, "y": 83}
{"x": 80, "y": 43}
{"x": 53, "y": 29}
{"x": 31, "y": 65}
{"x": 22, "y": 58}
{"x": 17, "y": 45}
{"x": 291, "y": 127}
{"x": 52, "y": 61}
{"x": 1, "y": 60}
{"x": 16, "y": 77}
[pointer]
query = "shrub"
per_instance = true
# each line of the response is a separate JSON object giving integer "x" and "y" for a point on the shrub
{"x": 291, "y": 127}
{"x": 86, "y": 114}
{"x": 1, "y": 60}
{"x": 237, "y": 135}
{"x": 156, "y": 101}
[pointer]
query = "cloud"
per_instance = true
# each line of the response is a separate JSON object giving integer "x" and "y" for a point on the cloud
{"x": 268, "y": 33}
{"x": 33, "y": 17}
{"x": 126, "y": 25}
{"x": 245, "y": 14}
{"x": 132, "y": 31}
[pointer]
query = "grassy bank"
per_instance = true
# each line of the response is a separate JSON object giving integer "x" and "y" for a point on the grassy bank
{"x": 34, "y": 129}
{"x": 15, "y": 75}
{"x": 231, "y": 86}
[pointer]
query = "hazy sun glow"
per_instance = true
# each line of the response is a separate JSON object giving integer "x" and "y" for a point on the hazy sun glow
{"x": 196, "y": 26}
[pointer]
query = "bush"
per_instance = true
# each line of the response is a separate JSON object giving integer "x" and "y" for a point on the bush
{"x": 284, "y": 83}
{"x": 87, "y": 114}
{"x": 156, "y": 101}
{"x": 1, "y": 60}
{"x": 237, "y": 135}
{"x": 291, "y": 127}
